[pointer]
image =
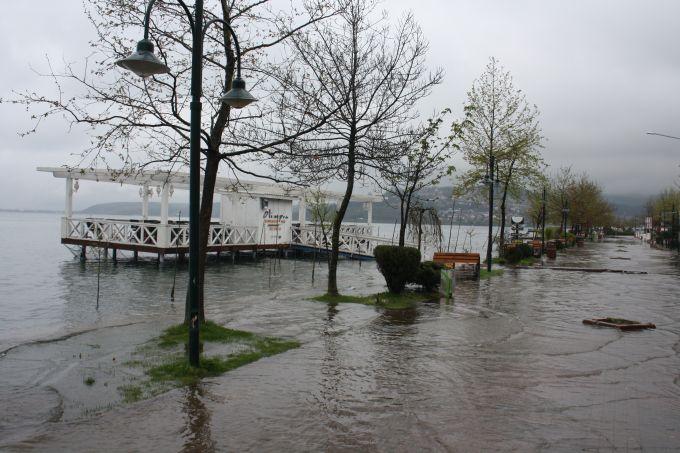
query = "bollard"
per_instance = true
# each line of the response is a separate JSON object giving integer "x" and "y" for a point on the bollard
{"x": 448, "y": 282}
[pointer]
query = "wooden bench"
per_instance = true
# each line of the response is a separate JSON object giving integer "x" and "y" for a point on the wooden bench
{"x": 450, "y": 260}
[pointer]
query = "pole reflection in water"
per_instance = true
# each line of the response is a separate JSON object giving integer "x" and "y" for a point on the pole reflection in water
{"x": 197, "y": 431}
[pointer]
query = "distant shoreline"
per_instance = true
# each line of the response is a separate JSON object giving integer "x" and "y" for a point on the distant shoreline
{"x": 31, "y": 211}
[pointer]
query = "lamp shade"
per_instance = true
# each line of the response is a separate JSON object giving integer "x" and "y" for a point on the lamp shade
{"x": 144, "y": 62}
{"x": 238, "y": 97}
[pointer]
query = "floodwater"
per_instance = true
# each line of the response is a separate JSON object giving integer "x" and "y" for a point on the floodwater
{"x": 506, "y": 365}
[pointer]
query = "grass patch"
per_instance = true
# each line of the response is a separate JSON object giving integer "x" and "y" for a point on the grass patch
{"x": 130, "y": 393}
{"x": 178, "y": 370}
{"x": 529, "y": 261}
{"x": 210, "y": 332}
{"x": 484, "y": 274}
{"x": 89, "y": 381}
{"x": 387, "y": 300}
{"x": 342, "y": 299}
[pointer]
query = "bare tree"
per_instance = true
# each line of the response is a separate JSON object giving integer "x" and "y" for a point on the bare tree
{"x": 422, "y": 163}
{"x": 499, "y": 123}
{"x": 136, "y": 123}
{"x": 372, "y": 74}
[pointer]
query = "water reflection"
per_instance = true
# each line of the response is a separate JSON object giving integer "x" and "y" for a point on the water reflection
{"x": 197, "y": 433}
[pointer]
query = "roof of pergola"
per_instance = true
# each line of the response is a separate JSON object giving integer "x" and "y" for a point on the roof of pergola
{"x": 180, "y": 180}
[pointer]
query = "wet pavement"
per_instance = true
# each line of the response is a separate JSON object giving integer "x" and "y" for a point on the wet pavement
{"x": 507, "y": 365}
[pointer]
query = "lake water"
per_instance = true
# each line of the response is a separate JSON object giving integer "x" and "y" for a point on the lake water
{"x": 507, "y": 365}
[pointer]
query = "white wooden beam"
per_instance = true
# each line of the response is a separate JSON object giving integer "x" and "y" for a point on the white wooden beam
{"x": 68, "y": 209}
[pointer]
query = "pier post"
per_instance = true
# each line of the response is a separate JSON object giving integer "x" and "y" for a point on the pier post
{"x": 83, "y": 253}
{"x": 114, "y": 255}
{"x": 135, "y": 255}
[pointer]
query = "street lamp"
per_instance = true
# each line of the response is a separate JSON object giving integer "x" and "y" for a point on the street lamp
{"x": 144, "y": 63}
{"x": 565, "y": 213}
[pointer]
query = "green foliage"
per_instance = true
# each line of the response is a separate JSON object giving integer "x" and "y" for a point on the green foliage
{"x": 89, "y": 381}
{"x": 514, "y": 254}
{"x": 552, "y": 233}
{"x": 397, "y": 264}
{"x": 429, "y": 275}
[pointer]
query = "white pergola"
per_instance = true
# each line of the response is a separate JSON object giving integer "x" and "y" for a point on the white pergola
{"x": 252, "y": 214}
{"x": 166, "y": 182}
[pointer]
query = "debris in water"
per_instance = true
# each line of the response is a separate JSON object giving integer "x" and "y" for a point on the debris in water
{"x": 619, "y": 323}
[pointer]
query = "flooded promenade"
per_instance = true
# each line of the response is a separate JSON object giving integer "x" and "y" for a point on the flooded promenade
{"x": 506, "y": 365}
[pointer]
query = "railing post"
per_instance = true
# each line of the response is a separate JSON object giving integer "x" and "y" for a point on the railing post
{"x": 163, "y": 235}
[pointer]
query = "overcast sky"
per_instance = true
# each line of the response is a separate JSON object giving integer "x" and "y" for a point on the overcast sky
{"x": 601, "y": 72}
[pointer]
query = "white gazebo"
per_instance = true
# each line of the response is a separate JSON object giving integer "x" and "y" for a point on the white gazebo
{"x": 253, "y": 215}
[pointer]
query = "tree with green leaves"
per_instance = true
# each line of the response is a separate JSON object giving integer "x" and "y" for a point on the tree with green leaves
{"x": 500, "y": 125}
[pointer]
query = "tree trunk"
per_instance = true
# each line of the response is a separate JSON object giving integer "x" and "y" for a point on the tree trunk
{"x": 337, "y": 222}
{"x": 501, "y": 239}
{"x": 211, "y": 166}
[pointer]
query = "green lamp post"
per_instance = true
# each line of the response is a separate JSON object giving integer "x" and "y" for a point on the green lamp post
{"x": 145, "y": 63}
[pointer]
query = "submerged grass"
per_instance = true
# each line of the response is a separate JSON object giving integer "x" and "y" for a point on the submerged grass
{"x": 178, "y": 370}
{"x": 130, "y": 393}
{"x": 210, "y": 332}
{"x": 386, "y": 300}
{"x": 484, "y": 274}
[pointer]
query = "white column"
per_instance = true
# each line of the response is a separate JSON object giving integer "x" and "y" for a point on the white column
{"x": 145, "y": 201}
{"x": 370, "y": 212}
{"x": 165, "y": 198}
{"x": 68, "y": 210}
{"x": 224, "y": 207}
{"x": 302, "y": 211}
{"x": 164, "y": 229}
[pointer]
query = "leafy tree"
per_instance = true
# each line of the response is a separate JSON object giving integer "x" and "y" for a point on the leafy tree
{"x": 499, "y": 122}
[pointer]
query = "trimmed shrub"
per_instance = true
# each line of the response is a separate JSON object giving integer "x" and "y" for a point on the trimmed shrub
{"x": 527, "y": 250}
{"x": 429, "y": 275}
{"x": 397, "y": 264}
{"x": 513, "y": 255}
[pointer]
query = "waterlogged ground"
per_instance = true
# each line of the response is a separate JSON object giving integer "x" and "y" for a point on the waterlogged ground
{"x": 507, "y": 365}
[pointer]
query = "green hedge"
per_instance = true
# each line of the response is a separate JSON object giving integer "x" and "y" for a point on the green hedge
{"x": 429, "y": 275}
{"x": 399, "y": 265}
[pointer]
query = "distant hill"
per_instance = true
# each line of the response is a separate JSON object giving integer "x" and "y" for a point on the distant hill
{"x": 627, "y": 206}
{"x": 471, "y": 210}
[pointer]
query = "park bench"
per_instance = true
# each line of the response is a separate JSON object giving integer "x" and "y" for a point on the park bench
{"x": 466, "y": 264}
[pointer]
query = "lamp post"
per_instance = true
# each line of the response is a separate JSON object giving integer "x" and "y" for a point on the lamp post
{"x": 489, "y": 179}
{"x": 144, "y": 63}
{"x": 565, "y": 213}
{"x": 543, "y": 223}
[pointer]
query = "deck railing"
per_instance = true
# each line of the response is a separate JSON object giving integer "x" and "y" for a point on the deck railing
{"x": 152, "y": 234}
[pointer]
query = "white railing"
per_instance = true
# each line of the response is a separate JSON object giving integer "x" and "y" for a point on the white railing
{"x": 153, "y": 234}
{"x": 116, "y": 231}
{"x": 350, "y": 241}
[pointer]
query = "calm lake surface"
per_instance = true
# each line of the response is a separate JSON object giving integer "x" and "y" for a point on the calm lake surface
{"x": 506, "y": 365}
